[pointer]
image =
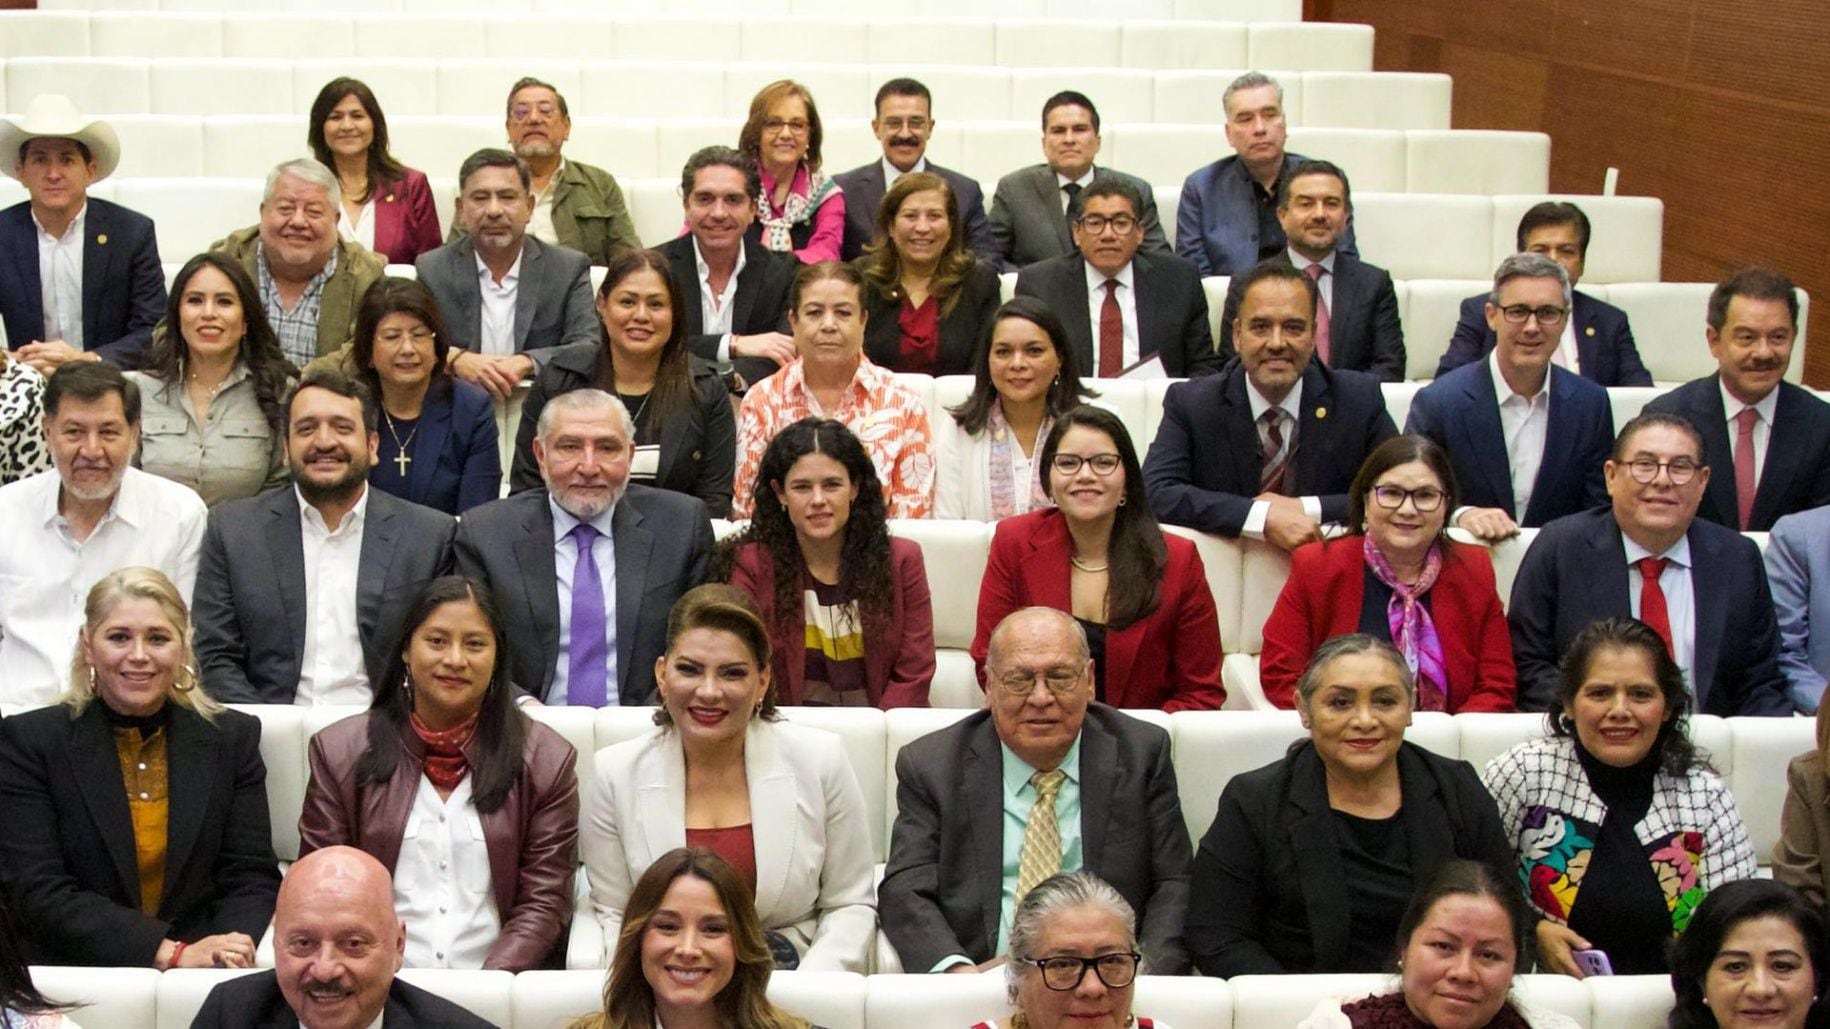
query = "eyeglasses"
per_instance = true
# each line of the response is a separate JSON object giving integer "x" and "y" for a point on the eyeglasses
{"x": 776, "y": 126}
{"x": 1065, "y": 973}
{"x": 1681, "y": 469}
{"x": 523, "y": 112}
{"x": 1098, "y": 223}
{"x": 1069, "y": 464}
{"x": 1059, "y": 680}
{"x": 895, "y": 125}
{"x": 1424, "y": 498}
{"x": 1547, "y": 315}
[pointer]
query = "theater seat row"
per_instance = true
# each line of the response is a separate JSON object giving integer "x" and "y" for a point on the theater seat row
{"x": 560, "y": 12}
{"x": 137, "y": 998}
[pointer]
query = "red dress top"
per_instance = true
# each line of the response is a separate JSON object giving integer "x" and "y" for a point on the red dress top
{"x": 736, "y": 845}
{"x": 920, "y": 335}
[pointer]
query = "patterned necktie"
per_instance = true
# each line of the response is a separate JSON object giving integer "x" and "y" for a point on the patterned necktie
{"x": 1652, "y": 608}
{"x": 1041, "y": 853}
{"x": 587, "y": 671}
{"x": 1111, "y": 334}
{"x": 1324, "y": 343}
{"x": 1275, "y": 461}
{"x": 1744, "y": 464}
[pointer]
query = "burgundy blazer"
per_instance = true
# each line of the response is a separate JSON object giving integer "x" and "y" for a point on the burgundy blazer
{"x": 896, "y": 674}
{"x": 406, "y": 219}
{"x": 532, "y": 838}
{"x": 1168, "y": 660}
{"x": 1322, "y": 598}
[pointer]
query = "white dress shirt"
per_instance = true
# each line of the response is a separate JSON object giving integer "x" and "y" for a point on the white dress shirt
{"x": 891, "y": 173}
{"x": 360, "y": 229}
{"x": 565, "y": 557}
{"x": 1680, "y": 598}
{"x": 1326, "y": 283}
{"x": 717, "y": 309}
{"x": 45, "y": 575}
{"x": 1566, "y": 353}
{"x": 1061, "y": 182}
{"x": 1127, "y": 310}
{"x": 1525, "y": 422}
{"x": 442, "y": 888}
{"x": 498, "y": 313}
{"x": 60, "y": 279}
{"x": 540, "y": 226}
{"x": 1766, "y": 407}
{"x": 1292, "y": 407}
{"x": 332, "y": 671}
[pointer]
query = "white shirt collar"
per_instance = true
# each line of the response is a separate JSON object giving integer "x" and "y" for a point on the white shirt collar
{"x": 514, "y": 270}
{"x": 351, "y": 521}
{"x": 1504, "y": 390}
{"x": 1678, "y": 554}
{"x": 705, "y": 270}
{"x": 1096, "y": 279}
{"x": 1302, "y": 263}
{"x": 891, "y": 173}
{"x": 75, "y": 231}
{"x": 1085, "y": 180}
{"x": 1292, "y": 404}
{"x": 1731, "y": 406}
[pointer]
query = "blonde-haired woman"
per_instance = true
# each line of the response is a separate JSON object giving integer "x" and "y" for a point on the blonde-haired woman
{"x": 133, "y": 815}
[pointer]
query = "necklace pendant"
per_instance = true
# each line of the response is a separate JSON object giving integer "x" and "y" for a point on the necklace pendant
{"x": 401, "y": 461}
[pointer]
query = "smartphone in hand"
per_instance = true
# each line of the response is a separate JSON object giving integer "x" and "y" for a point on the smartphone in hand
{"x": 1593, "y": 962}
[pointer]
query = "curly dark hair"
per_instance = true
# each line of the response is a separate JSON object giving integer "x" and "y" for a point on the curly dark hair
{"x": 1136, "y": 553}
{"x": 1676, "y": 754}
{"x": 169, "y": 359}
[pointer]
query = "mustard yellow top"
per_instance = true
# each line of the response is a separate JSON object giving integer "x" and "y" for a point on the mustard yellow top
{"x": 144, "y": 772}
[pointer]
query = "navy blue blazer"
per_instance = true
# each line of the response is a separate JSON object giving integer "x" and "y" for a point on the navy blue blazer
{"x": 123, "y": 283}
{"x": 1217, "y": 219}
{"x": 1604, "y": 341}
{"x": 1364, "y": 331}
{"x": 864, "y": 189}
{"x": 1171, "y": 310}
{"x": 1576, "y": 573}
{"x": 1796, "y": 474}
{"x": 1461, "y": 412}
{"x": 1203, "y": 469}
{"x": 457, "y": 459}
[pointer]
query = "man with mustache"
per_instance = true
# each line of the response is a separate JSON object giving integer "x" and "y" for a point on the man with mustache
{"x": 62, "y": 530}
{"x": 301, "y": 590}
{"x": 1356, "y": 323}
{"x": 338, "y": 946}
{"x": 903, "y": 123}
{"x": 1764, "y": 439}
{"x": 576, "y": 205}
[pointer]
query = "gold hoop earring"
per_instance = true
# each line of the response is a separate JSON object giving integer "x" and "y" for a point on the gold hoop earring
{"x": 91, "y": 678}
{"x": 186, "y": 682}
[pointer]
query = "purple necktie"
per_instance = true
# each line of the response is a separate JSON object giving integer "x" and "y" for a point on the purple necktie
{"x": 586, "y": 675}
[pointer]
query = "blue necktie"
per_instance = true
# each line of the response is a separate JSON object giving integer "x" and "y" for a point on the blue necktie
{"x": 587, "y": 672}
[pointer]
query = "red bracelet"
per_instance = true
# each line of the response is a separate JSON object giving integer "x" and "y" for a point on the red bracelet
{"x": 177, "y": 953}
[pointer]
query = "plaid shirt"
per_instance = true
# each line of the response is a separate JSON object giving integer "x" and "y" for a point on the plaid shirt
{"x": 297, "y": 328}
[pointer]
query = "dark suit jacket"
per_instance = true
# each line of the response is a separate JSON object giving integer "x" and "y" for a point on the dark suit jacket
{"x": 1270, "y": 894}
{"x": 1796, "y": 474}
{"x": 662, "y": 541}
{"x": 1171, "y": 310}
{"x": 552, "y": 297}
{"x": 249, "y": 603}
{"x": 457, "y": 461}
{"x": 1604, "y": 341}
{"x": 1576, "y": 573}
{"x": 762, "y": 299}
{"x": 941, "y": 891}
{"x": 698, "y": 448}
{"x": 1461, "y": 412}
{"x": 68, "y": 846}
{"x": 962, "y": 329}
{"x": 1028, "y": 225}
{"x": 1364, "y": 331}
{"x": 406, "y": 219}
{"x": 1204, "y": 467}
{"x": 123, "y": 282}
{"x": 864, "y": 189}
{"x": 254, "y": 1001}
{"x": 1217, "y": 218}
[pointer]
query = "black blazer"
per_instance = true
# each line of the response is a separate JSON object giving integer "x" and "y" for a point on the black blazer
{"x": 1270, "y": 894}
{"x": 1171, "y": 310}
{"x": 662, "y": 541}
{"x": 254, "y": 1001}
{"x": 1364, "y": 331}
{"x": 1604, "y": 341}
{"x": 864, "y": 189}
{"x": 1203, "y": 469}
{"x": 698, "y": 448}
{"x": 961, "y": 329}
{"x": 762, "y": 299}
{"x": 123, "y": 282}
{"x": 1796, "y": 475}
{"x": 1461, "y": 412}
{"x": 68, "y": 847}
{"x": 249, "y": 602}
{"x": 1576, "y": 573}
{"x": 942, "y": 890}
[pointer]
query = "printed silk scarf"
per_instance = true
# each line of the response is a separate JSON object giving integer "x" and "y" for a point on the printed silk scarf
{"x": 1413, "y": 632}
{"x": 445, "y": 761}
{"x": 1003, "y": 490}
{"x": 778, "y": 228}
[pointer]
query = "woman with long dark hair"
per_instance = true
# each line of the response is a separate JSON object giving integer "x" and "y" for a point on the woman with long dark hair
{"x": 685, "y": 430}
{"x": 472, "y": 806}
{"x": 1098, "y": 554}
{"x": 387, "y": 206}
{"x": 929, "y": 300}
{"x": 846, "y": 603}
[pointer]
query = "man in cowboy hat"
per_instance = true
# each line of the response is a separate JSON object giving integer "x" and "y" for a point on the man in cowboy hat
{"x": 82, "y": 281}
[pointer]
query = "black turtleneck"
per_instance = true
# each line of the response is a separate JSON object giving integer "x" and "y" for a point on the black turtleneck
{"x": 147, "y": 724}
{"x": 1620, "y": 906}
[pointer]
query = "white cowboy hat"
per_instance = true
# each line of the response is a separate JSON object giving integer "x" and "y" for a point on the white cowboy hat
{"x": 54, "y": 116}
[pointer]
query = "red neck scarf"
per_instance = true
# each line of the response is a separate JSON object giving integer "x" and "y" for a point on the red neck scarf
{"x": 445, "y": 761}
{"x": 1388, "y": 1011}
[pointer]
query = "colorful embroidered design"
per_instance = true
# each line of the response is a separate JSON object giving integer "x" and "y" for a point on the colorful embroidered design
{"x": 1554, "y": 854}
{"x": 1678, "y": 863}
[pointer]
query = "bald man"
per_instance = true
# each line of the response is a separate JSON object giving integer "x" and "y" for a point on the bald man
{"x": 338, "y": 944}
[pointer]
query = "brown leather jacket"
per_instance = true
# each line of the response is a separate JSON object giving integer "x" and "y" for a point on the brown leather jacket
{"x": 532, "y": 838}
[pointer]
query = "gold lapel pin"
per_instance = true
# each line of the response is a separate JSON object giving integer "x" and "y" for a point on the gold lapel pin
{"x": 1321, "y": 412}
{"x": 1590, "y": 331}
{"x": 389, "y": 198}
{"x": 101, "y": 240}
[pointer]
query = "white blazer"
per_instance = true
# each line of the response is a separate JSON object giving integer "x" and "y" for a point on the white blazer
{"x": 814, "y": 865}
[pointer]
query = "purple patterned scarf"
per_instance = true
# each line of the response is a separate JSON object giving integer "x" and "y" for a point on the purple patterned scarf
{"x": 1413, "y": 632}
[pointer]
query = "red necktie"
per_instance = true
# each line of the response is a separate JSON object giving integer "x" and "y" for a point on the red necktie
{"x": 1111, "y": 334}
{"x": 1323, "y": 342}
{"x": 1652, "y": 608}
{"x": 1744, "y": 464}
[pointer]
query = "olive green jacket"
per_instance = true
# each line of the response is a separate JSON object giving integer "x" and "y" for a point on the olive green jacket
{"x": 358, "y": 268}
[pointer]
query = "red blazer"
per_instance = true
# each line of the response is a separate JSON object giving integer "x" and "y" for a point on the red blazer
{"x": 406, "y": 220}
{"x": 1169, "y": 660}
{"x": 1322, "y": 597}
{"x": 897, "y": 673}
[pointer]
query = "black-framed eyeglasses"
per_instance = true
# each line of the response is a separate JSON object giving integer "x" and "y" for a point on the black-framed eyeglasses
{"x": 1680, "y": 469}
{"x": 1098, "y": 223}
{"x": 1547, "y": 315}
{"x": 1060, "y": 679}
{"x": 1424, "y": 498}
{"x": 1062, "y": 974}
{"x": 1103, "y": 464}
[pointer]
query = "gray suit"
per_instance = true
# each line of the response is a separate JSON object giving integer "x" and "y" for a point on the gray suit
{"x": 1798, "y": 567}
{"x": 1028, "y": 225}
{"x": 942, "y": 890}
{"x": 662, "y": 542}
{"x": 552, "y": 297}
{"x": 249, "y": 606}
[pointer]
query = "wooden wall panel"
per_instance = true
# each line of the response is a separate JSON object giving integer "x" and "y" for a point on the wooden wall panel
{"x": 1721, "y": 108}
